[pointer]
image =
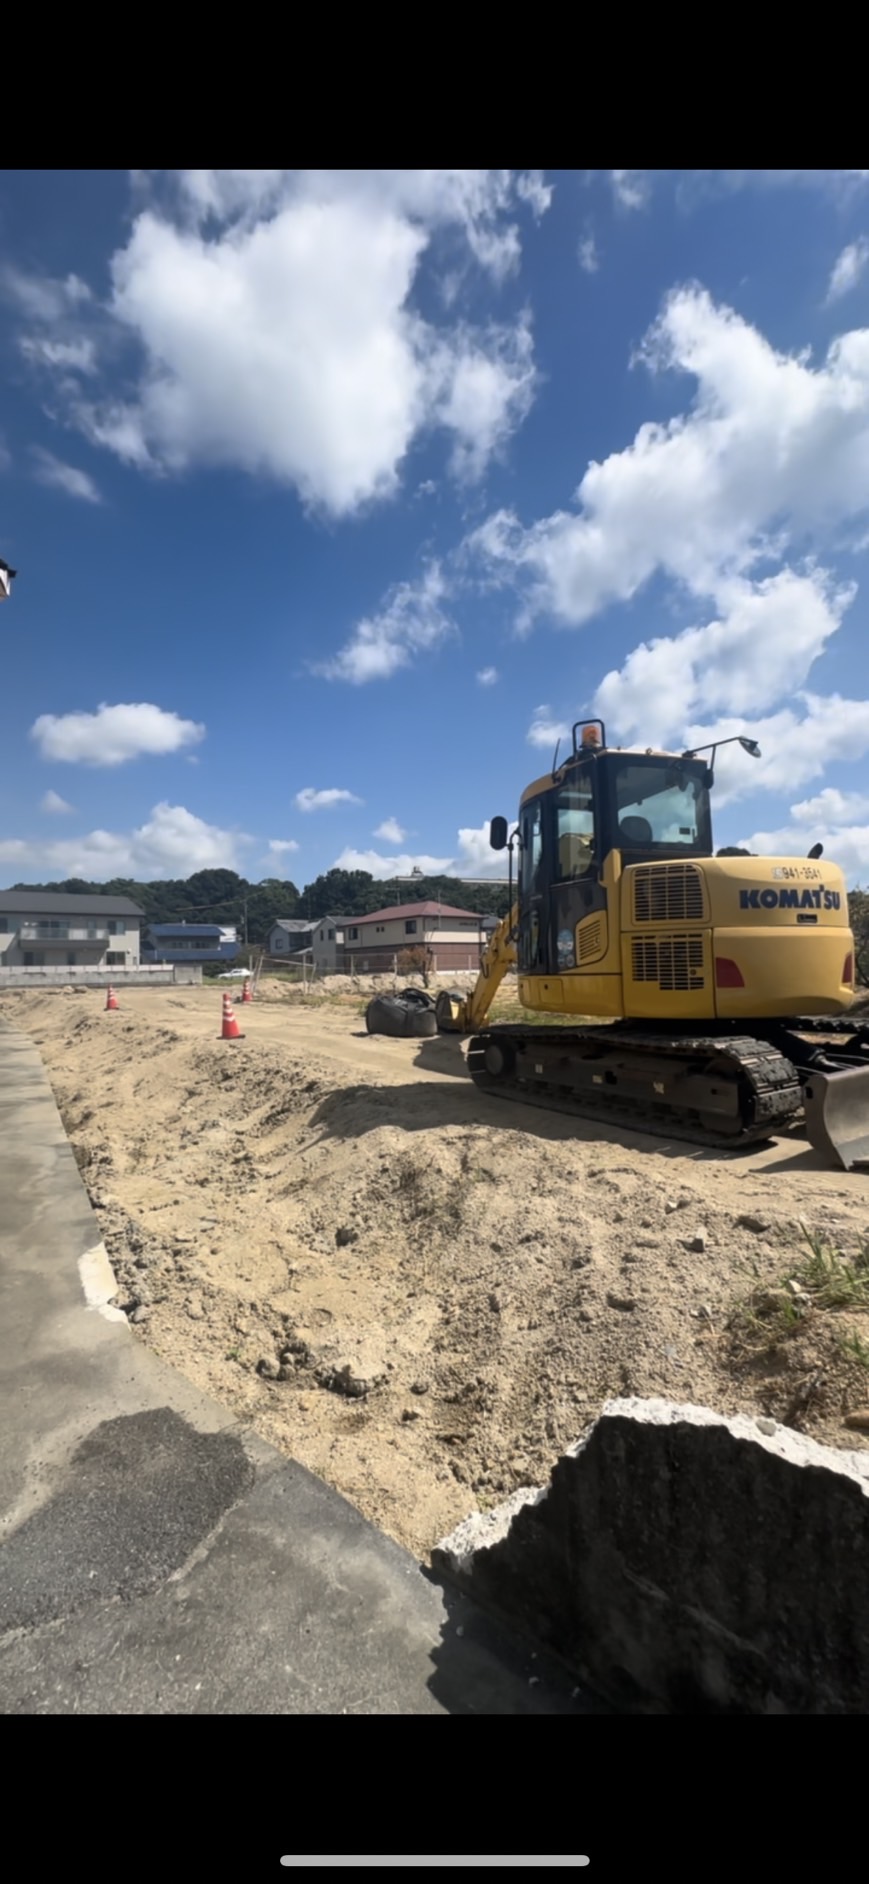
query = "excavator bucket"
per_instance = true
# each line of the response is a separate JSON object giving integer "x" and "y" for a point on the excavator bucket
{"x": 450, "y": 1012}
{"x": 837, "y": 1116}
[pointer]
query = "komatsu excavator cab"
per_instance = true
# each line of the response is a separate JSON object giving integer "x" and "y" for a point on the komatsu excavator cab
{"x": 599, "y": 806}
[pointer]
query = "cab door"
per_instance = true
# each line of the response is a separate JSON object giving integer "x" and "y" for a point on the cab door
{"x": 532, "y": 939}
{"x": 578, "y": 900}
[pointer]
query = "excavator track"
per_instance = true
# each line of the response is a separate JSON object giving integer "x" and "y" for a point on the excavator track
{"x": 722, "y": 1091}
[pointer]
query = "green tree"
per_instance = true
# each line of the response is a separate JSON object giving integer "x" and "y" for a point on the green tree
{"x": 220, "y": 896}
{"x": 340, "y": 893}
{"x": 267, "y": 901}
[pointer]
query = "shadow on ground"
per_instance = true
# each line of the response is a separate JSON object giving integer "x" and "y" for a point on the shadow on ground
{"x": 471, "y": 1644}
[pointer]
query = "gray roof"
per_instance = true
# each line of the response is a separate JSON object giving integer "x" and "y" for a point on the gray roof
{"x": 293, "y": 926}
{"x": 57, "y": 903}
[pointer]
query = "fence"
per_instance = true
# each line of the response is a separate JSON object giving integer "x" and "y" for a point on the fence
{"x": 144, "y": 976}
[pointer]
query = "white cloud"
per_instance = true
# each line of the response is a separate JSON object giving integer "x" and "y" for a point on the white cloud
{"x": 280, "y": 845}
{"x": 58, "y": 476}
{"x": 411, "y": 621}
{"x": 391, "y": 831}
{"x": 630, "y": 188}
{"x": 589, "y": 258}
{"x": 545, "y": 729}
{"x": 770, "y": 442}
{"x": 533, "y": 189}
{"x": 848, "y": 269}
{"x": 71, "y": 356}
{"x": 797, "y": 743}
{"x": 52, "y": 802}
{"x": 254, "y": 354}
{"x": 488, "y": 388}
{"x": 832, "y": 807}
{"x": 172, "y": 842}
{"x": 310, "y": 800}
{"x": 382, "y": 867}
{"x": 476, "y": 857}
{"x": 487, "y": 676}
{"x": 758, "y": 649}
{"x": 845, "y": 841}
{"x": 479, "y": 202}
{"x": 113, "y": 734}
{"x": 766, "y": 465}
{"x": 43, "y": 298}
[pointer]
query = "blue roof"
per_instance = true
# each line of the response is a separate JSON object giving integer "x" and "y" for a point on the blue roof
{"x": 185, "y": 928}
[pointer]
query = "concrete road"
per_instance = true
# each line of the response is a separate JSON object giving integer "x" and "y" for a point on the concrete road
{"x": 155, "y": 1557}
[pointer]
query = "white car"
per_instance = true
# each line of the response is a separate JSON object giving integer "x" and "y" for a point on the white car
{"x": 234, "y": 974}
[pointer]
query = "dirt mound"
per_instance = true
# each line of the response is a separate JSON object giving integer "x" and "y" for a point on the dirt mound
{"x": 362, "y": 987}
{"x": 419, "y": 1295}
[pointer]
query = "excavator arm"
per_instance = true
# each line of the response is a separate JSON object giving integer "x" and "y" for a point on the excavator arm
{"x": 463, "y": 1014}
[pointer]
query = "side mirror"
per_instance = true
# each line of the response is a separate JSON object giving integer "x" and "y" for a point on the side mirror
{"x": 498, "y": 834}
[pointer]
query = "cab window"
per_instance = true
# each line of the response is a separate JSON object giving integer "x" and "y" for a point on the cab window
{"x": 532, "y": 848}
{"x": 662, "y": 808}
{"x": 575, "y": 831}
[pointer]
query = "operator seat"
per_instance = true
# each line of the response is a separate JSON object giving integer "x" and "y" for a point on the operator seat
{"x": 574, "y": 856}
{"x": 635, "y": 833}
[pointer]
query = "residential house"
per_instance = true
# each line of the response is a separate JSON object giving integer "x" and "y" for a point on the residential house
{"x": 197, "y": 942}
{"x": 452, "y": 938}
{"x": 48, "y": 928}
{"x": 327, "y": 944}
{"x": 290, "y": 935}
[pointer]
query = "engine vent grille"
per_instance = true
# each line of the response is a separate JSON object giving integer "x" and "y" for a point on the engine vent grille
{"x": 591, "y": 941}
{"x": 673, "y": 962}
{"x": 668, "y": 893}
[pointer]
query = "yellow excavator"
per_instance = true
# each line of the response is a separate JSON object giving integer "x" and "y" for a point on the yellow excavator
{"x": 711, "y": 994}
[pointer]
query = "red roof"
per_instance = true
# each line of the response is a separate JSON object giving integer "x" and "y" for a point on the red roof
{"x": 414, "y": 909}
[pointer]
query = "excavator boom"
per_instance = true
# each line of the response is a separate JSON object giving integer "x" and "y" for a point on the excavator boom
{"x": 463, "y": 1014}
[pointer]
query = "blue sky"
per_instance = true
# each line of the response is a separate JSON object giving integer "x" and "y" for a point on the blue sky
{"x": 335, "y": 496}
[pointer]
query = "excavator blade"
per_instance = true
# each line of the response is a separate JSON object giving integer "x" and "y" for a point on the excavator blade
{"x": 837, "y": 1116}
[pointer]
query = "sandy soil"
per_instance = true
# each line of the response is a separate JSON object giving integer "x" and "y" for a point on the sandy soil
{"x": 421, "y": 1294}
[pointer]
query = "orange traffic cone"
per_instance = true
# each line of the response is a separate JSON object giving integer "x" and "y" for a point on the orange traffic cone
{"x": 246, "y": 993}
{"x": 111, "y": 1001}
{"x": 230, "y": 1029}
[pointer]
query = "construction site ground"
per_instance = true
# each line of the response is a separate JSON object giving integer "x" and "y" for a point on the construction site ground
{"x": 418, "y": 1292}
